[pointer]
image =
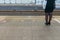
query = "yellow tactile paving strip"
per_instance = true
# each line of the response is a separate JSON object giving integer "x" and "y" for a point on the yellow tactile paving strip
{"x": 20, "y": 18}
{"x": 23, "y": 17}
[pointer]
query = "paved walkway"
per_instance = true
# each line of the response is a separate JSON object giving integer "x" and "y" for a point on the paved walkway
{"x": 28, "y": 28}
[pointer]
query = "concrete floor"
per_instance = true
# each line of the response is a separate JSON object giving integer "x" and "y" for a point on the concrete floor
{"x": 28, "y": 28}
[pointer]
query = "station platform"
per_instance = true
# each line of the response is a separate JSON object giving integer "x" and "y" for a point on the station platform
{"x": 29, "y": 28}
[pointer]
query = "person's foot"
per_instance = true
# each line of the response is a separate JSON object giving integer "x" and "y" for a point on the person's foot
{"x": 46, "y": 23}
{"x": 49, "y": 23}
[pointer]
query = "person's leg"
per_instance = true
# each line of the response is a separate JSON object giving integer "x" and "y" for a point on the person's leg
{"x": 46, "y": 18}
{"x": 50, "y": 18}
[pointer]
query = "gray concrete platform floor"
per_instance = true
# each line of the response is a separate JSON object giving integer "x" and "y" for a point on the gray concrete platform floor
{"x": 28, "y": 28}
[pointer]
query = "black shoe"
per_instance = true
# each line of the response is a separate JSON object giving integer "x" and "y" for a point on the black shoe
{"x": 46, "y": 23}
{"x": 49, "y": 23}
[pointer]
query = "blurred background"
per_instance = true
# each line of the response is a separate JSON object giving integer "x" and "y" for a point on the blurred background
{"x": 41, "y": 3}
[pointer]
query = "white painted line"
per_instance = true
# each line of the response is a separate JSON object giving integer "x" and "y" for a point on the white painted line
{"x": 57, "y": 20}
